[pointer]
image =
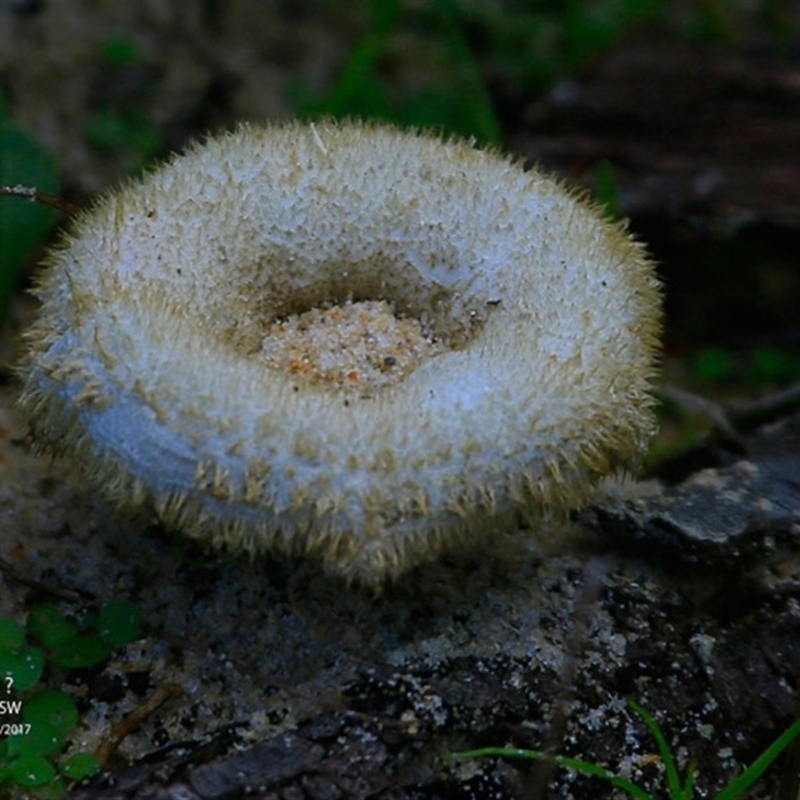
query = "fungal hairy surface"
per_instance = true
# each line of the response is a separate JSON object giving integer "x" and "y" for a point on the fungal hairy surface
{"x": 346, "y": 341}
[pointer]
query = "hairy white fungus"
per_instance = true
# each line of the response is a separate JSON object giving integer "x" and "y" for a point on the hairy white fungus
{"x": 344, "y": 340}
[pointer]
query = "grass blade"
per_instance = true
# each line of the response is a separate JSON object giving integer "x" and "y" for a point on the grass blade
{"x": 673, "y": 777}
{"x": 738, "y": 786}
{"x": 576, "y": 764}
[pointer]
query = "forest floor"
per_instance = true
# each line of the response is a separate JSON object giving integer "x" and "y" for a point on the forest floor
{"x": 681, "y": 593}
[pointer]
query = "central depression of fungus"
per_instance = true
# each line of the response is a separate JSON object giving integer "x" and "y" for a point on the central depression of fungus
{"x": 344, "y": 340}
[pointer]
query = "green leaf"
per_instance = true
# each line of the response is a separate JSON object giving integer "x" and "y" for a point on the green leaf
{"x": 41, "y": 740}
{"x": 80, "y": 652}
{"x": 24, "y": 666}
{"x": 119, "y": 623}
{"x": 47, "y": 624}
{"x": 79, "y": 766}
{"x": 23, "y": 224}
{"x": 32, "y": 771}
{"x": 12, "y": 635}
{"x": 51, "y": 707}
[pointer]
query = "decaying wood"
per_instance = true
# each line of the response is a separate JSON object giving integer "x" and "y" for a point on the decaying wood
{"x": 689, "y": 132}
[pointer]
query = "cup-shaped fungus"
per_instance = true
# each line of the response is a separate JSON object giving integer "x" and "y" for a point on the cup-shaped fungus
{"x": 344, "y": 340}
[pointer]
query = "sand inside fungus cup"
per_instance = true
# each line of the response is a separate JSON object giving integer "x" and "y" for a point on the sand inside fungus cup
{"x": 345, "y": 341}
{"x": 362, "y": 346}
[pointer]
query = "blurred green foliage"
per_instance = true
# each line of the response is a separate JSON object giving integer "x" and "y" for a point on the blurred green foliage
{"x": 752, "y": 368}
{"x": 520, "y": 46}
{"x": 457, "y": 103}
{"x": 606, "y": 189}
{"x": 122, "y": 51}
{"x": 23, "y": 223}
{"x": 123, "y": 129}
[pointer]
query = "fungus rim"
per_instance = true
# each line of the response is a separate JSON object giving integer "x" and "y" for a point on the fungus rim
{"x": 114, "y": 372}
